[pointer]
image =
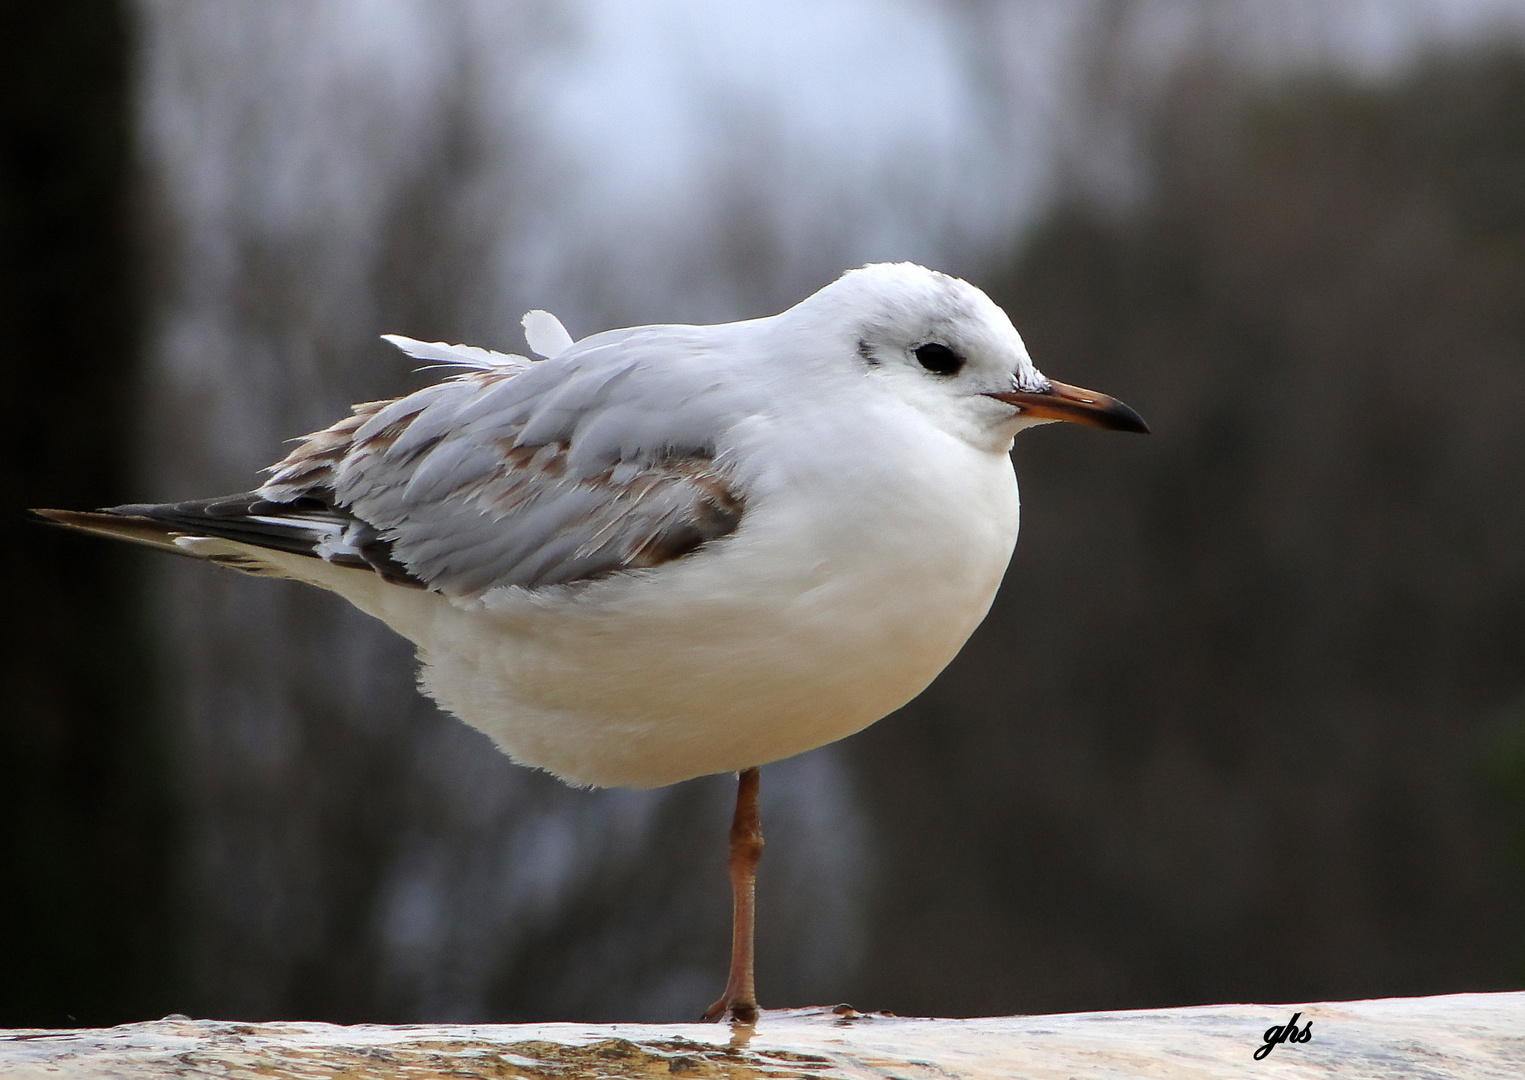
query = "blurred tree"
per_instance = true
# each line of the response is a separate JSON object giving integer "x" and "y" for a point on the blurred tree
{"x": 1502, "y": 761}
{"x": 1217, "y": 740}
{"x": 349, "y": 852}
{"x": 83, "y": 867}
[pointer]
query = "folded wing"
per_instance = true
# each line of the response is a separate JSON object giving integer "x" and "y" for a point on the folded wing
{"x": 510, "y": 473}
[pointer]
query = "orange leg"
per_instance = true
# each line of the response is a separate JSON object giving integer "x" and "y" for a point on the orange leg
{"x": 739, "y": 1002}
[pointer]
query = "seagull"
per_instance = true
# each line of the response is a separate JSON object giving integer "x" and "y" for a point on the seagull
{"x": 668, "y": 551}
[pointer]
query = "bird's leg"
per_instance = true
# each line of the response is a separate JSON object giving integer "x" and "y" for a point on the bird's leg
{"x": 740, "y": 998}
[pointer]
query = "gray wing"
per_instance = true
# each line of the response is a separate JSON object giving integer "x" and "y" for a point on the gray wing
{"x": 602, "y": 460}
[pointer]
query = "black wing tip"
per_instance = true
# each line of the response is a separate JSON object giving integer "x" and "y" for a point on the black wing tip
{"x": 83, "y": 519}
{"x": 113, "y": 523}
{"x": 225, "y": 517}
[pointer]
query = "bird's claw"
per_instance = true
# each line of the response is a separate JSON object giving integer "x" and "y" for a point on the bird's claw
{"x": 729, "y": 1009}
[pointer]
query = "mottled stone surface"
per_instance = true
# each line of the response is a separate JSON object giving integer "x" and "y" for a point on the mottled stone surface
{"x": 1476, "y": 1036}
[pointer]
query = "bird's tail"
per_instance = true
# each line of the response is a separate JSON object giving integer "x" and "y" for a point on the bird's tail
{"x": 237, "y": 530}
{"x": 107, "y": 523}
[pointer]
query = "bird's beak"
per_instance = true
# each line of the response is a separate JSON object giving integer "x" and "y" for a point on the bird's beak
{"x": 1064, "y": 402}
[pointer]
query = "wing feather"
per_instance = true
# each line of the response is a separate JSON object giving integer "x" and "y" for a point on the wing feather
{"x": 467, "y": 356}
{"x": 559, "y": 471}
{"x": 599, "y": 461}
{"x": 603, "y": 459}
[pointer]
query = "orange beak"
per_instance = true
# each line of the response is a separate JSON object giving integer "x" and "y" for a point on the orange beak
{"x": 1064, "y": 402}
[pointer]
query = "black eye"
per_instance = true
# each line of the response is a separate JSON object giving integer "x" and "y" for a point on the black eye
{"x": 939, "y": 359}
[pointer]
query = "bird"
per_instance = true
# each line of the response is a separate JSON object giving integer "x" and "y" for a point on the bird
{"x": 668, "y": 551}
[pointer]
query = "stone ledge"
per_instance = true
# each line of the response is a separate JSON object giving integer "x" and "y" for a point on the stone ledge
{"x": 1475, "y": 1036}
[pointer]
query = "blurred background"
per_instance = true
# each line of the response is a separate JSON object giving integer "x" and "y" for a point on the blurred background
{"x": 1246, "y": 723}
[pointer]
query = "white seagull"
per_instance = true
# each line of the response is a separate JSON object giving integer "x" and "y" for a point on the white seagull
{"x": 668, "y": 551}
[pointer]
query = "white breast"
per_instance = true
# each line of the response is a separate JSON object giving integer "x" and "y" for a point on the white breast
{"x": 842, "y": 595}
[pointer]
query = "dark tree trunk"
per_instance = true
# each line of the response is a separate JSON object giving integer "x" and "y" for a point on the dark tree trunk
{"x": 82, "y": 837}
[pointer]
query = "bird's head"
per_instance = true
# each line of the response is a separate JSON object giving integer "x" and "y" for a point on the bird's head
{"x": 946, "y": 348}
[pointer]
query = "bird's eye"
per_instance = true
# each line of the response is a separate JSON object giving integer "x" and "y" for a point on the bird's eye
{"x": 939, "y": 359}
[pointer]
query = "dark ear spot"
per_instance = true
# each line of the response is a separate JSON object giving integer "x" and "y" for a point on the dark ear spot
{"x": 867, "y": 352}
{"x": 939, "y": 359}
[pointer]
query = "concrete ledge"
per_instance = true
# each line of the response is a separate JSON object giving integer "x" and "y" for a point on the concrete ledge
{"x": 1475, "y": 1036}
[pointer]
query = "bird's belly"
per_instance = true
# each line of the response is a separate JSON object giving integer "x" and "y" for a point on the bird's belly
{"x": 788, "y": 635}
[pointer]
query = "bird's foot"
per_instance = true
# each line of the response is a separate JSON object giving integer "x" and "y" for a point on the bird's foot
{"x": 733, "y": 1007}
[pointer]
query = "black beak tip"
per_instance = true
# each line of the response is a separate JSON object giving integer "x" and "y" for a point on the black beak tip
{"x": 1113, "y": 415}
{"x": 1125, "y": 419}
